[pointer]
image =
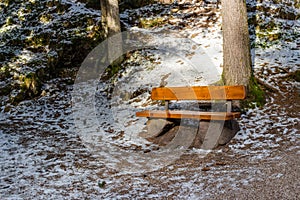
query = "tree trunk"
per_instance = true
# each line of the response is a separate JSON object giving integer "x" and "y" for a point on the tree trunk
{"x": 103, "y": 4}
{"x": 110, "y": 20}
{"x": 237, "y": 69}
{"x": 110, "y": 17}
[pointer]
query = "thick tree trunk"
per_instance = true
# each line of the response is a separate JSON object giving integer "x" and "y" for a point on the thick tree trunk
{"x": 237, "y": 67}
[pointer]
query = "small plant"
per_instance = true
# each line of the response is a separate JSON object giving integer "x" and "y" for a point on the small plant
{"x": 101, "y": 184}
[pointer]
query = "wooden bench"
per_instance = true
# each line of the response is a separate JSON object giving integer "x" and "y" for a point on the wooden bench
{"x": 199, "y": 93}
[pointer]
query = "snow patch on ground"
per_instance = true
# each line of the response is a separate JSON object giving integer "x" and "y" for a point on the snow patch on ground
{"x": 43, "y": 155}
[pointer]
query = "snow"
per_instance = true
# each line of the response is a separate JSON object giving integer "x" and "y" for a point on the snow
{"x": 48, "y": 153}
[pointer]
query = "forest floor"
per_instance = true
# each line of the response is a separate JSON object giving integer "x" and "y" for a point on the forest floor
{"x": 42, "y": 155}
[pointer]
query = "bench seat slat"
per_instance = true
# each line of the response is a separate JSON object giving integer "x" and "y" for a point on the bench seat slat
{"x": 178, "y": 114}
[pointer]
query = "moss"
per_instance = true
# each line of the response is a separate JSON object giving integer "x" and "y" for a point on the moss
{"x": 7, "y": 2}
{"x": 255, "y": 95}
{"x": 10, "y": 21}
{"x": 31, "y": 84}
{"x": 112, "y": 70}
{"x": 150, "y": 23}
{"x": 45, "y": 18}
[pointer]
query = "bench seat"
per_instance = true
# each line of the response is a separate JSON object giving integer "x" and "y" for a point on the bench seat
{"x": 182, "y": 114}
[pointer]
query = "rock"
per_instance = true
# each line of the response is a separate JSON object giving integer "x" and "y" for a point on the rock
{"x": 166, "y": 138}
{"x": 171, "y": 134}
{"x": 229, "y": 130}
{"x": 156, "y": 127}
{"x": 183, "y": 137}
{"x": 211, "y": 134}
{"x": 207, "y": 135}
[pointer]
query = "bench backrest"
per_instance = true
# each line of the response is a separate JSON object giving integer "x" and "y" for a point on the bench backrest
{"x": 199, "y": 93}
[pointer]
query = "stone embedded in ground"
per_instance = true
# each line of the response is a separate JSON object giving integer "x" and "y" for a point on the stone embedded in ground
{"x": 156, "y": 127}
{"x": 184, "y": 137}
{"x": 176, "y": 136}
{"x": 166, "y": 138}
{"x": 218, "y": 133}
{"x": 230, "y": 129}
{"x": 207, "y": 135}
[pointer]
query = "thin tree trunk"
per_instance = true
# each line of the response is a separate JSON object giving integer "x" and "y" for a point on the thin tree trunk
{"x": 110, "y": 20}
{"x": 110, "y": 16}
{"x": 237, "y": 67}
{"x": 104, "y": 4}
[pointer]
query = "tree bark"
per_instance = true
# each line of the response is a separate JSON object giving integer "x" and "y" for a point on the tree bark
{"x": 103, "y": 5}
{"x": 110, "y": 18}
{"x": 237, "y": 67}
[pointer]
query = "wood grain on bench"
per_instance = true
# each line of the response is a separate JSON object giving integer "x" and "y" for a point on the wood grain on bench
{"x": 199, "y": 93}
{"x": 180, "y": 114}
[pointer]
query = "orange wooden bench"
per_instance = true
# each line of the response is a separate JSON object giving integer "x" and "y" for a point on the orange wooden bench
{"x": 200, "y": 93}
